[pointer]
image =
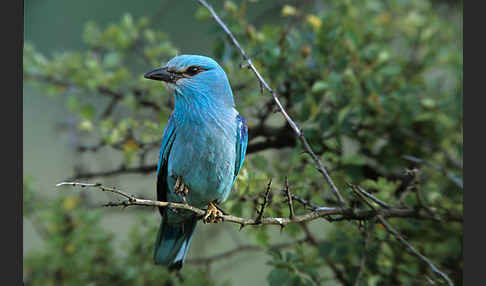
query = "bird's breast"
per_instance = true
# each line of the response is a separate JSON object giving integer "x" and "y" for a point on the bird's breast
{"x": 204, "y": 157}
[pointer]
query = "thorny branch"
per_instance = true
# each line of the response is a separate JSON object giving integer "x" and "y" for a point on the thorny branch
{"x": 402, "y": 240}
{"x": 264, "y": 203}
{"x": 317, "y": 212}
{"x": 367, "y": 237}
{"x": 293, "y": 125}
{"x": 412, "y": 249}
{"x": 289, "y": 198}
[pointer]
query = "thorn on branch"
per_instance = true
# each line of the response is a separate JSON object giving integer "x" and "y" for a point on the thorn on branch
{"x": 369, "y": 196}
{"x": 360, "y": 196}
{"x": 289, "y": 198}
{"x": 264, "y": 203}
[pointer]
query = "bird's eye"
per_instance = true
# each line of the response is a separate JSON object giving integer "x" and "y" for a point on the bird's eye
{"x": 191, "y": 71}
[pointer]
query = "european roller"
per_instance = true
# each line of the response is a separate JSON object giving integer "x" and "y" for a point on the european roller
{"x": 203, "y": 148}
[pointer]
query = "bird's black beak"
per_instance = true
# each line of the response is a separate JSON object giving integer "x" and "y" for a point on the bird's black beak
{"x": 161, "y": 74}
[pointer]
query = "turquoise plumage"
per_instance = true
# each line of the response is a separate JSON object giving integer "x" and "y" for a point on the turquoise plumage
{"x": 203, "y": 149}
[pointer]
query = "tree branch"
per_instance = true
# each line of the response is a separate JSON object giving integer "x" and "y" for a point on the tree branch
{"x": 362, "y": 264}
{"x": 264, "y": 203}
{"x": 316, "y": 213}
{"x": 456, "y": 180}
{"x": 289, "y": 198}
{"x": 402, "y": 240}
{"x": 412, "y": 249}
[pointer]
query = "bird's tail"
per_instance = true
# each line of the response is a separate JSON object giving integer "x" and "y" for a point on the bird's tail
{"x": 173, "y": 242}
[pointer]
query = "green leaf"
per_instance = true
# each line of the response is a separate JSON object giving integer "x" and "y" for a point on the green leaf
{"x": 320, "y": 86}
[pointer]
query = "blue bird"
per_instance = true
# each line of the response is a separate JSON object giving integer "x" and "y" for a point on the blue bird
{"x": 203, "y": 148}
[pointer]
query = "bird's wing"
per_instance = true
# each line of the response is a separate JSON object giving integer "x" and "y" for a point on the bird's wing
{"x": 167, "y": 141}
{"x": 241, "y": 143}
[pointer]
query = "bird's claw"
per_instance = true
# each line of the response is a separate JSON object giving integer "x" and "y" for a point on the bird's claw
{"x": 213, "y": 214}
{"x": 181, "y": 189}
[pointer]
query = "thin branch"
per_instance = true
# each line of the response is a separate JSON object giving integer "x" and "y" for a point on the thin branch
{"x": 99, "y": 186}
{"x": 403, "y": 241}
{"x": 264, "y": 203}
{"x": 305, "y": 203}
{"x": 318, "y": 212}
{"x": 397, "y": 235}
{"x": 289, "y": 198}
{"x": 132, "y": 200}
{"x": 370, "y": 196}
{"x": 362, "y": 264}
{"x": 452, "y": 177}
{"x": 292, "y": 124}
{"x": 338, "y": 273}
{"x": 415, "y": 187}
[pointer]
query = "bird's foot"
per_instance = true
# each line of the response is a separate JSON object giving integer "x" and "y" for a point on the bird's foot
{"x": 213, "y": 214}
{"x": 181, "y": 189}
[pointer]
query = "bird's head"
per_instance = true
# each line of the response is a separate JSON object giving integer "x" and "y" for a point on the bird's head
{"x": 195, "y": 79}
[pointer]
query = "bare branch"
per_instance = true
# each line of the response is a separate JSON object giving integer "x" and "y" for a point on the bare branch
{"x": 316, "y": 213}
{"x": 367, "y": 238}
{"x": 131, "y": 200}
{"x": 397, "y": 235}
{"x": 264, "y": 203}
{"x": 99, "y": 186}
{"x": 305, "y": 203}
{"x": 289, "y": 198}
{"x": 415, "y": 187}
{"x": 119, "y": 171}
{"x": 452, "y": 177}
{"x": 403, "y": 241}
{"x": 292, "y": 124}
{"x": 362, "y": 192}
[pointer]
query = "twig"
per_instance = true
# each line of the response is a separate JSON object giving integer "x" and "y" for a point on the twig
{"x": 397, "y": 235}
{"x": 338, "y": 273}
{"x": 370, "y": 196}
{"x": 452, "y": 177}
{"x": 289, "y": 198}
{"x": 264, "y": 203}
{"x": 131, "y": 200}
{"x": 292, "y": 124}
{"x": 99, "y": 186}
{"x": 305, "y": 203}
{"x": 362, "y": 263}
{"x": 415, "y": 187}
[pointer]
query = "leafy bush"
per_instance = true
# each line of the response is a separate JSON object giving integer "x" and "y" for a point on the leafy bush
{"x": 369, "y": 82}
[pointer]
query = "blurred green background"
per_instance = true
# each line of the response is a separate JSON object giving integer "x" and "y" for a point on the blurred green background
{"x": 368, "y": 81}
